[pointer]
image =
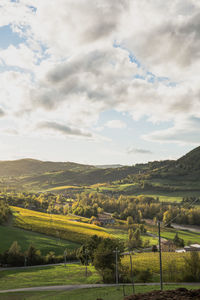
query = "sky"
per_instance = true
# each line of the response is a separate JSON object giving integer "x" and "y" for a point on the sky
{"x": 99, "y": 81}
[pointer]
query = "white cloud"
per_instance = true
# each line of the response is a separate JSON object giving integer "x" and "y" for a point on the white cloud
{"x": 183, "y": 132}
{"x": 20, "y": 56}
{"x": 76, "y": 72}
{"x": 115, "y": 124}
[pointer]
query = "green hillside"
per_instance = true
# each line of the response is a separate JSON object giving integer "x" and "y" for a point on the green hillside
{"x": 33, "y": 167}
{"x": 157, "y": 176}
{"x": 44, "y": 243}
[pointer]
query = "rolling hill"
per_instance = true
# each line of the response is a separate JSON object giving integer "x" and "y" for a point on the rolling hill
{"x": 181, "y": 174}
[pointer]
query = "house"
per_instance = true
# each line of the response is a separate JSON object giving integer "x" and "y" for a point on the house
{"x": 105, "y": 219}
{"x": 193, "y": 247}
{"x": 180, "y": 251}
{"x": 168, "y": 246}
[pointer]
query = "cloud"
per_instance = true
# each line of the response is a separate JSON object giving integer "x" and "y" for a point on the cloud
{"x": 98, "y": 57}
{"x": 63, "y": 129}
{"x": 183, "y": 132}
{"x": 118, "y": 124}
{"x": 169, "y": 45}
{"x": 21, "y": 56}
{"x": 133, "y": 150}
{"x": 2, "y": 113}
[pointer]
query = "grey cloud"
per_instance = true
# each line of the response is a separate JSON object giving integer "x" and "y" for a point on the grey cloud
{"x": 138, "y": 151}
{"x": 2, "y": 113}
{"x": 66, "y": 130}
{"x": 72, "y": 78}
{"x": 106, "y": 18}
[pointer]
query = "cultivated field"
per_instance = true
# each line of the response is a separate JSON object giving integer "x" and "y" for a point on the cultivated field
{"x": 24, "y": 238}
{"x": 172, "y": 263}
{"x": 65, "y": 227}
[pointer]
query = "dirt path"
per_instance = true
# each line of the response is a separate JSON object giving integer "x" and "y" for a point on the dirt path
{"x": 84, "y": 286}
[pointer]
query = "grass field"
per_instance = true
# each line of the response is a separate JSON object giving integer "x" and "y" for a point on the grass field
{"x": 64, "y": 227}
{"x": 24, "y": 238}
{"x": 105, "y": 293}
{"x": 169, "y": 233}
{"x": 142, "y": 261}
{"x": 45, "y": 276}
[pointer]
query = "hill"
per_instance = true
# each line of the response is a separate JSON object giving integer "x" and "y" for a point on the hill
{"x": 161, "y": 176}
{"x": 30, "y": 166}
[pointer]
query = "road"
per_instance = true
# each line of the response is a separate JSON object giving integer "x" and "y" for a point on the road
{"x": 87, "y": 286}
{"x": 190, "y": 228}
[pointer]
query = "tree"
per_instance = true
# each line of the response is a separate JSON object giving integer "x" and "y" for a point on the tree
{"x": 105, "y": 258}
{"x": 129, "y": 221}
{"x": 178, "y": 241}
{"x": 154, "y": 248}
{"x": 14, "y": 256}
{"x": 14, "y": 248}
{"x": 192, "y": 266}
{"x": 167, "y": 217}
{"x": 34, "y": 256}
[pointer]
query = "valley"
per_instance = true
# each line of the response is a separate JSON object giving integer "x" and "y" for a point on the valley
{"x": 67, "y": 212}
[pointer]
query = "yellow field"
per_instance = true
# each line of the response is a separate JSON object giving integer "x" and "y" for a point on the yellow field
{"x": 65, "y": 227}
{"x": 65, "y": 187}
{"x": 142, "y": 261}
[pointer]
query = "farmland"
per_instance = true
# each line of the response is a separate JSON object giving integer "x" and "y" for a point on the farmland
{"x": 173, "y": 264}
{"x": 46, "y": 276}
{"x": 64, "y": 227}
{"x": 42, "y": 242}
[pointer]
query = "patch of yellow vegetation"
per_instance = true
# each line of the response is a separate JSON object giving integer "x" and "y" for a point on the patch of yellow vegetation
{"x": 142, "y": 261}
{"x": 65, "y": 227}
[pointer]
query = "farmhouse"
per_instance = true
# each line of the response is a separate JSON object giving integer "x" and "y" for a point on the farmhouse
{"x": 193, "y": 247}
{"x": 105, "y": 219}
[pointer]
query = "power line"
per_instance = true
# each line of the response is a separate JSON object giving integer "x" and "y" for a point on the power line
{"x": 188, "y": 204}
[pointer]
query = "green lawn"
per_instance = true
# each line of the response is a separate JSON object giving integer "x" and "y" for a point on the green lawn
{"x": 187, "y": 236}
{"x": 24, "y": 237}
{"x": 44, "y": 276}
{"x": 106, "y": 293}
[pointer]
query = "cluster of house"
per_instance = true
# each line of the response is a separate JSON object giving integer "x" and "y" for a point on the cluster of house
{"x": 169, "y": 246}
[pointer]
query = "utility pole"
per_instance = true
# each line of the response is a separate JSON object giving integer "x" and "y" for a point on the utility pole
{"x": 160, "y": 256}
{"x": 25, "y": 261}
{"x": 116, "y": 263}
{"x": 86, "y": 254}
{"x": 132, "y": 278}
{"x": 65, "y": 254}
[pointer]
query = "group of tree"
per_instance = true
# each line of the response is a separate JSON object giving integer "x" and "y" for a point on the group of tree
{"x": 4, "y": 211}
{"x": 15, "y": 257}
{"x": 102, "y": 254}
{"x": 91, "y": 204}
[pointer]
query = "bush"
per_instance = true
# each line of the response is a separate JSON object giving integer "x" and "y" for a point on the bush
{"x": 145, "y": 275}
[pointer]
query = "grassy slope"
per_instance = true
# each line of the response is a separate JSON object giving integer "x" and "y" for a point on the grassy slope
{"x": 169, "y": 233}
{"x": 42, "y": 242}
{"x": 56, "y": 225}
{"x": 52, "y": 275}
{"x": 106, "y": 293}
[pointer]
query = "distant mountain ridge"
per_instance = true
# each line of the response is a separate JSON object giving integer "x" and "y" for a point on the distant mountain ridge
{"x": 36, "y": 174}
{"x": 29, "y": 166}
